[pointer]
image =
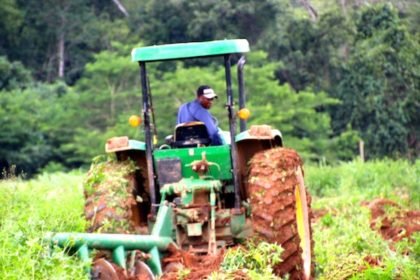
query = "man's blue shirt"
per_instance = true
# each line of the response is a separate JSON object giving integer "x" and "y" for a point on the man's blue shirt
{"x": 193, "y": 111}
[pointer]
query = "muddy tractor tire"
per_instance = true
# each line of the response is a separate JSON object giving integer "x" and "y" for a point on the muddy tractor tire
{"x": 111, "y": 198}
{"x": 281, "y": 209}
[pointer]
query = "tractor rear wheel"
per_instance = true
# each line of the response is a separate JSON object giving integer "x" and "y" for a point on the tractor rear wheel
{"x": 112, "y": 194}
{"x": 281, "y": 209}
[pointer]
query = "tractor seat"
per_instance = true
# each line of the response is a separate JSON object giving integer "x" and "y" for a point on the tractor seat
{"x": 191, "y": 134}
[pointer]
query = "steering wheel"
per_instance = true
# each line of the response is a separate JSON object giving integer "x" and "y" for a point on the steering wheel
{"x": 164, "y": 146}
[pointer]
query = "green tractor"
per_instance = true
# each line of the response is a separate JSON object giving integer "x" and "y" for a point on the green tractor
{"x": 187, "y": 196}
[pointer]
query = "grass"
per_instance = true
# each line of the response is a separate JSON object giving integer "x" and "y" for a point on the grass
{"x": 343, "y": 238}
{"x": 396, "y": 180}
{"x": 30, "y": 209}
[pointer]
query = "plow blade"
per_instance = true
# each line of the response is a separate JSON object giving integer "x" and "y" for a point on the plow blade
{"x": 117, "y": 243}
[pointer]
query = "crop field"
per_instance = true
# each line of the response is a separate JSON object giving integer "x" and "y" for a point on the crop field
{"x": 366, "y": 224}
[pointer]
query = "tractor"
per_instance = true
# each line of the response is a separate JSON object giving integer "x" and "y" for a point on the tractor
{"x": 188, "y": 196}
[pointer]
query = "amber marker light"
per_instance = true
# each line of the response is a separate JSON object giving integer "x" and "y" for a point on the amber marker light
{"x": 134, "y": 121}
{"x": 243, "y": 114}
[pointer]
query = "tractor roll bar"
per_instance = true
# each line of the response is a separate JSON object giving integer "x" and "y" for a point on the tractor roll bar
{"x": 241, "y": 88}
{"x": 232, "y": 127}
{"x": 148, "y": 136}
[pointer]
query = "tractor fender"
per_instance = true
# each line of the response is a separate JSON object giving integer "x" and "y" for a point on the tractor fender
{"x": 123, "y": 143}
{"x": 261, "y": 133}
{"x": 252, "y": 141}
{"x": 125, "y": 148}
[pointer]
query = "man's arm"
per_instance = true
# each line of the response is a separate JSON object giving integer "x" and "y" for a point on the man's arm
{"x": 182, "y": 114}
{"x": 205, "y": 117}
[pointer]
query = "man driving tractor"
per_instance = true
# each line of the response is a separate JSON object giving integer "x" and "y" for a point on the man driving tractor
{"x": 198, "y": 110}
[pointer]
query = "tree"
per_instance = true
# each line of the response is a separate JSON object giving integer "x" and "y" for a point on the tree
{"x": 304, "y": 126}
{"x": 107, "y": 90}
{"x": 164, "y": 22}
{"x": 380, "y": 89}
{"x": 10, "y": 22}
{"x": 13, "y": 75}
{"x": 311, "y": 53}
{"x": 55, "y": 39}
{"x": 57, "y": 21}
{"x": 35, "y": 122}
{"x": 107, "y": 86}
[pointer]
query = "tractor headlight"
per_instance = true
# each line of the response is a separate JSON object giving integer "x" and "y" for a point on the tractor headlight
{"x": 243, "y": 114}
{"x": 134, "y": 121}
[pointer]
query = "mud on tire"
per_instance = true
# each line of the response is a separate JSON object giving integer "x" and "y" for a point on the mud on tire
{"x": 272, "y": 183}
{"x": 110, "y": 193}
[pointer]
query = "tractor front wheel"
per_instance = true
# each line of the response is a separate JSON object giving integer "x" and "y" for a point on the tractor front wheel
{"x": 281, "y": 209}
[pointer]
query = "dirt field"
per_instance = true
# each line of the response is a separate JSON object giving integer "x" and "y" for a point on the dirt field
{"x": 391, "y": 221}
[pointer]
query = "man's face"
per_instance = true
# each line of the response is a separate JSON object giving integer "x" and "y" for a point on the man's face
{"x": 205, "y": 102}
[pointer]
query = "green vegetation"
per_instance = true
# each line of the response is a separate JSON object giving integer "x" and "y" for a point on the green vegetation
{"x": 109, "y": 184}
{"x": 396, "y": 180}
{"x": 345, "y": 245}
{"x": 344, "y": 241}
{"x": 255, "y": 260}
{"x": 30, "y": 209}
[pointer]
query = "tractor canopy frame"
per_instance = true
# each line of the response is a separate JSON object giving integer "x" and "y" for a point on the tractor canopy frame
{"x": 225, "y": 48}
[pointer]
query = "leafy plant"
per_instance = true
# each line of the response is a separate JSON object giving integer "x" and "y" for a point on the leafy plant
{"x": 257, "y": 260}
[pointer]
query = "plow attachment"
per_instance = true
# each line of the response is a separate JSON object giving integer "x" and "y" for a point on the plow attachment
{"x": 118, "y": 244}
{"x": 151, "y": 246}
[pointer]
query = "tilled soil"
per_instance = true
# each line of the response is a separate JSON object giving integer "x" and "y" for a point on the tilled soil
{"x": 198, "y": 267}
{"x": 391, "y": 221}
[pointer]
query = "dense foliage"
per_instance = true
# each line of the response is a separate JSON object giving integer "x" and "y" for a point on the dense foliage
{"x": 326, "y": 73}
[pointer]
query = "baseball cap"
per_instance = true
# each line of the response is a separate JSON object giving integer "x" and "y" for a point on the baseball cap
{"x": 207, "y": 92}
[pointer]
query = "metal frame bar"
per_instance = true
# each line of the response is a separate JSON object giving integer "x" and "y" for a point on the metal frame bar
{"x": 241, "y": 89}
{"x": 148, "y": 137}
{"x": 232, "y": 128}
